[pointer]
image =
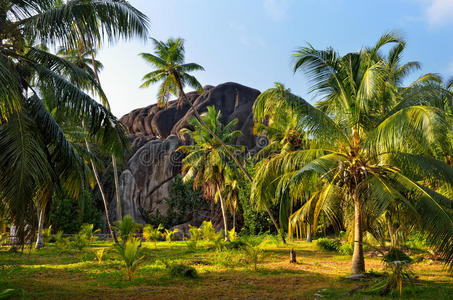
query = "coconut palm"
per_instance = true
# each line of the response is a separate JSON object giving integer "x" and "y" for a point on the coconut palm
{"x": 281, "y": 129}
{"x": 171, "y": 69}
{"x": 367, "y": 169}
{"x": 207, "y": 161}
{"x": 29, "y": 136}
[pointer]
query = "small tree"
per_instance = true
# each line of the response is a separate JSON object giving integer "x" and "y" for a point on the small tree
{"x": 130, "y": 252}
{"x": 151, "y": 234}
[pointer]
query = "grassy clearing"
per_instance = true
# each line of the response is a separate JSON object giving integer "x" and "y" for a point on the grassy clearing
{"x": 50, "y": 274}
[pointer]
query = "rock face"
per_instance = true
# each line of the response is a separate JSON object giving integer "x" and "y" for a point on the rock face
{"x": 154, "y": 132}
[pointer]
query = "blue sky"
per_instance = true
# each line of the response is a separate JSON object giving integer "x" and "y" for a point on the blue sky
{"x": 251, "y": 41}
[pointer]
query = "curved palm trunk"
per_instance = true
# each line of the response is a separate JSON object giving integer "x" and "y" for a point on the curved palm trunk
{"x": 101, "y": 190}
{"x": 225, "y": 224}
{"x": 39, "y": 239}
{"x": 231, "y": 154}
{"x": 358, "y": 261}
{"x": 119, "y": 216}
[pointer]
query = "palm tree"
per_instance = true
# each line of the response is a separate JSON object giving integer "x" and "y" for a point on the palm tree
{"x": 29, "y": 136}
{"x": 85, "y": 59}
{"x": 171, "y": 69}
{"x": 281, "y": 129}
{"x": 207, "y": 161}
{"x": 367, "y": 168}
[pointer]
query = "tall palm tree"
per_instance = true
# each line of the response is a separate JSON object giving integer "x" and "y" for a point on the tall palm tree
{"x": 85, "y": 59}
{"x": 368, "y": 168}
{"x": 207, "y": 161}
{"x": 29, "y": 136}
{"x": 171, "y": 69}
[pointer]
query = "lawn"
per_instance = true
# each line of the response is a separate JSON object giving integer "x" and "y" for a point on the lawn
{"x": 49, "y": 273}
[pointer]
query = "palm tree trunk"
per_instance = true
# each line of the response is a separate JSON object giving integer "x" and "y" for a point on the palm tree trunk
{"x": 115, "y": 167}
{"x": 234, "y": 220}
{"x": 358, "y": 261}
{"x": 119, "y": 215}
{"x": 101, "y": 190}
{"x": 225, "y": 224}
{"x": 390, "y": 230}
{"x": 308, "y": 232}
{"x": 39, "y": 238}
{"x": 219, "y": 140}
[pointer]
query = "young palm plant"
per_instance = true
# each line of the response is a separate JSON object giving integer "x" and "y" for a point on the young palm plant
{"x": 207, "y": 161}
{"x": 367, "y": 156}
{"x": 130, "y": 252}
{"x": 151, "y": 234}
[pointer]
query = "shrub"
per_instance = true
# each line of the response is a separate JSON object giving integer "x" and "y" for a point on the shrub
{"x": 130, "y": 252}
{"x": 195, "y": 236}
{"x": 100, "y": 254}
{"x": 170, "y": 235}
{"x": 236, "y": 244}
{"x": 328, "y": 244}
{"x": 181, "y": 270}
{"x": 396, "y": 255}
{"x": 208, "y": 231}
{"x": 126, "y": 228}
{"x": 68, "y": 214}
{"x": 60, "y": 242}
{"x": 84, "y": 237}
{"x": 346, "y": 249}
{"x": 47, "y": 234}
{"x": 253, "y": 255}
{"x": 417, "y": 240}
{"x": 151, "y": 234}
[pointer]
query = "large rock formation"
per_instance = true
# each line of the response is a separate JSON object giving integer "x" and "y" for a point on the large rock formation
{"x": 154, "y": 132}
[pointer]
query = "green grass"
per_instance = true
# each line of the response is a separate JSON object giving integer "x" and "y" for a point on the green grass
{"x": 50, "y": 274}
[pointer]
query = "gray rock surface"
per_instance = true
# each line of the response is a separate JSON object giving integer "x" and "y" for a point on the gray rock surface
{"x": 154, "y": 132}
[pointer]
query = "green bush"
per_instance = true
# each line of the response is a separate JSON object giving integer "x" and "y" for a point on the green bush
{"x": 328, "y": 244}
{"x": 346, "y": 249}
{"x": 255, "y": 221}
{"x": 68, "y": 214}
{"x": 417, "y": 240}
{"x": 151, "y": 234}
{"x": 207, "y": 231}
{"x": 181, "y": 270}
{"x": 84, "y": 237}
{"x": 396, "y": 255}
{"x": 127, "y": 228}
{"x": 61, "y": 242}
{"x": 170, "y": 235}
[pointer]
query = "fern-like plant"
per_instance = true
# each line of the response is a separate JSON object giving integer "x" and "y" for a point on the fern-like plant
{"x": 60, "y": 242}
{"x": 253, "y": 255}
{"x": 151, "y": 234}
{"x": 47, "y": 234}
{"x": 100, "y": 255}
{"x": 126, "y": 228}
{"x": 208, "y": 231}
{"x": 130, "y": 252}
{"x": 170, "y": 235}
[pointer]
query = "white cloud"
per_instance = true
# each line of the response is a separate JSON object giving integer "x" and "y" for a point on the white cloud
{"x": 439, "y": 12}
{"x": 276, "y": 9}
